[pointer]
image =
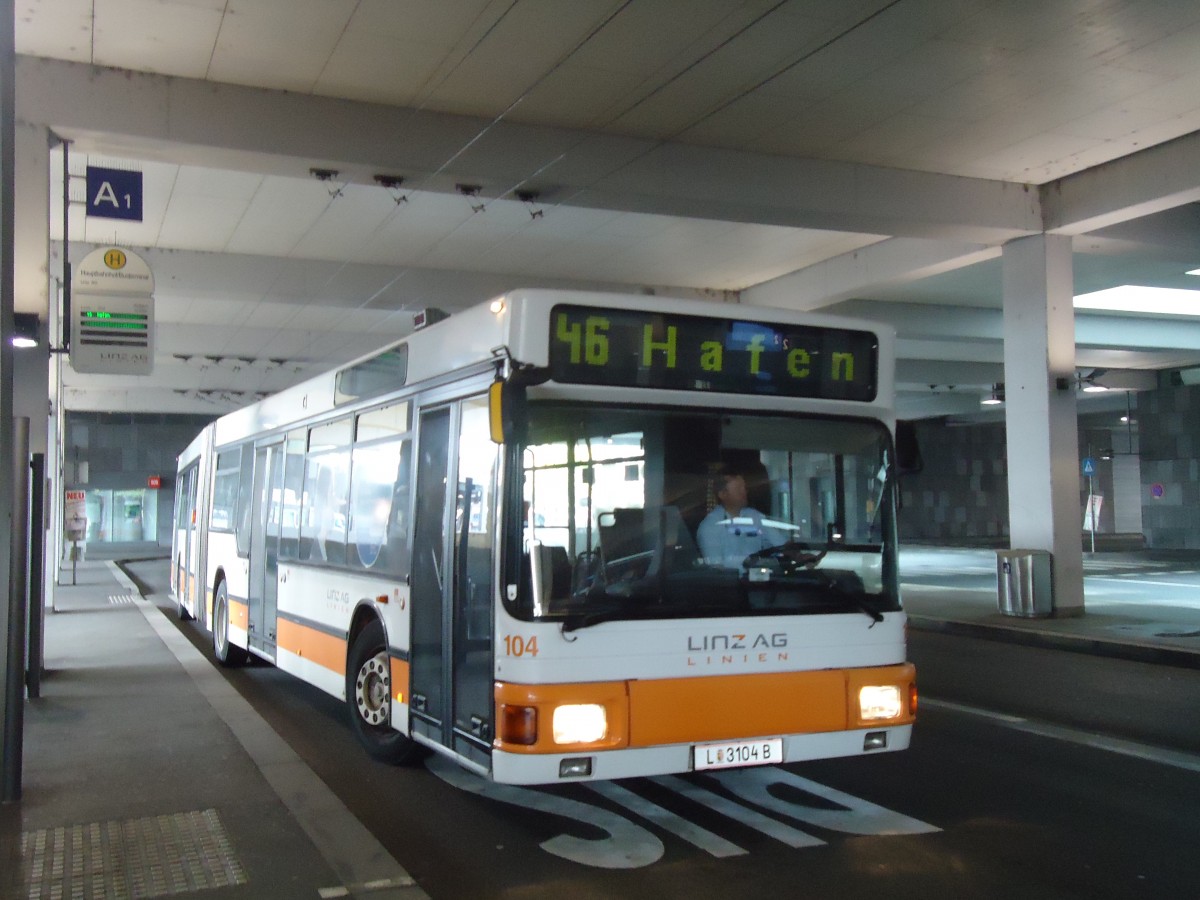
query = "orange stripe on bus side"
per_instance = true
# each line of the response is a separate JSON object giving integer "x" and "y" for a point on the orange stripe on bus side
{"x": 399, "y": 680}
{"x": 239, "y": 614}
{"x": 316, "y": 646}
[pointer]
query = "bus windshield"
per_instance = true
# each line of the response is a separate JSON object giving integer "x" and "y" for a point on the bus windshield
{"x": 634, "y": 513}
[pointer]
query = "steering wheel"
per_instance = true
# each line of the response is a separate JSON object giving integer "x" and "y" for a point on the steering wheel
{"x": 791, "y": 557}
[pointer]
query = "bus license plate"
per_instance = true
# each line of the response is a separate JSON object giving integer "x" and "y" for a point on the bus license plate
{"x": 732, "y": 754}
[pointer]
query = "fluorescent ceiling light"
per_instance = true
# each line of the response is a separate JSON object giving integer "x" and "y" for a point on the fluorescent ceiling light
{"x": 1192, "y": 272}
{"x": 1135, "y": 298}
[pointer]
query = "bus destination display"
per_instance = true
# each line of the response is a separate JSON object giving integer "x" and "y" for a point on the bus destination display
{"x": 630, "y": 348}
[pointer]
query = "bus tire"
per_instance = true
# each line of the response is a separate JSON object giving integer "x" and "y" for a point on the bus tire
{"x": 369, "y": 698}
{"x": 227, "y": 654}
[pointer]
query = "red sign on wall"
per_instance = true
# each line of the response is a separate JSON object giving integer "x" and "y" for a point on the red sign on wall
{"x": 154, "y": 481}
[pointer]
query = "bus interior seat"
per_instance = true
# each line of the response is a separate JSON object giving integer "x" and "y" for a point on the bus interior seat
{"x": 623, "y": 533}
{"x": 658, "y": 533}
{"x": 677, "y": 549}
{"x": 560, "y": 571}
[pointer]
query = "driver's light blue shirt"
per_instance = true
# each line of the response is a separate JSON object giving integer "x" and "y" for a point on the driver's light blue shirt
{"x": 727, "y": 540}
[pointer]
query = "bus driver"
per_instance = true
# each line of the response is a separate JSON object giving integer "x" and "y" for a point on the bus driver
{"x": 733, "y": 530}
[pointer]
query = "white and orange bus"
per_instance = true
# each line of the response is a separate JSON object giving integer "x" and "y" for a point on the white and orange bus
{"x": 485, "y": 538}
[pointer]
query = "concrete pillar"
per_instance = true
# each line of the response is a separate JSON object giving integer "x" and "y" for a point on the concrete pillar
{"x": 1043, "y": 440}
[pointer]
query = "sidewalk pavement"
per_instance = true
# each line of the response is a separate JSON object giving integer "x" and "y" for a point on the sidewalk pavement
{"x": 1152, "y": 630}
{"x": 147, "y": 775}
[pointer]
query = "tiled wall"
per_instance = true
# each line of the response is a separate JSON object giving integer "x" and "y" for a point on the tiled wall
{"x": 961, "y": 495}
{"x": 1169, "y": 429}
{"x": 122, "y": 450}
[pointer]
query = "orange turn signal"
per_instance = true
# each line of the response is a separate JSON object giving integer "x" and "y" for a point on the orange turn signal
{"x": 518, "y": 725}
{"x": 912, "y": 698}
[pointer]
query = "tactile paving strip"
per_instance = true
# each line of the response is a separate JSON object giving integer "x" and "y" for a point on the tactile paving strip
{"x": 132, "y": 860}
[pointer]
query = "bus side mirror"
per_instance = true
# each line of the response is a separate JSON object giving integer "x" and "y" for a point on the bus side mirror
{"x": 500, "y": 410}
{"x": 506, "y": 403}
{"x": 908, "y": 450}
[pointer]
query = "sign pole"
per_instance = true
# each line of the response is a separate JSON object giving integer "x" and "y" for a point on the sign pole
{"x": 1092, "y": 513}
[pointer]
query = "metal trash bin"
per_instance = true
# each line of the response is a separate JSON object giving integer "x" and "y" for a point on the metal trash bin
{"x": 1023, "y": 583}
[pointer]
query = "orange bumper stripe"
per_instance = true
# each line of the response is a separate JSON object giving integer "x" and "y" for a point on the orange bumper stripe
{"x": 728, "y": 707}
{"x": 684, "y": 710}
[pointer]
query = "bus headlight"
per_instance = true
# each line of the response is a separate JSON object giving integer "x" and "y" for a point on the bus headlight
{"x": 879, "y": 701}
{"x": 579, "y": 723}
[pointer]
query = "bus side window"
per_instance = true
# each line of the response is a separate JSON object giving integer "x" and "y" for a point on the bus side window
{"x": 245, "y": 510}
{"x": 293, "y": 488}
{"x": 324, "y": 531}
{"x": 372, "y": 495}
{"x": 324, "y": 508}
{"x": 396, "y": 548}
{"x": 225, "y": 491}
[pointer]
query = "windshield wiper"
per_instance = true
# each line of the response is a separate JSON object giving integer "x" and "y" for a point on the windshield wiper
{"x": 586, "y": 619}
{"x": 855, "y": 599}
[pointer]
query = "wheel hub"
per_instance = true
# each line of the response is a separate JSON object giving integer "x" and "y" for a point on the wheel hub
{"x": 373, "y": 690}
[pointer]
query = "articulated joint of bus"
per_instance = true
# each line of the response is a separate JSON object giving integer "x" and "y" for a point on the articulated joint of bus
{"x": 575, "y": 721}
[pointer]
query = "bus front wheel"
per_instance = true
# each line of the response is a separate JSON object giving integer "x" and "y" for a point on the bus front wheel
{"x": 369, "y": 698}
{"x": 227, "y": 654}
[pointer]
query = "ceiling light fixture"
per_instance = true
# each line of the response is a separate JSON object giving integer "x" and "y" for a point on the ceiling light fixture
{"x": 392, "y": 183}
{"x": 996, "y": 397}
{"x": 471, "y": 192}
{"x": 1090, "y": 384}
{"x": 1135, "y": 298}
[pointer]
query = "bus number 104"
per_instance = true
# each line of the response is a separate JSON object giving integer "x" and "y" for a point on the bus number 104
{"x": 516, "y": 645}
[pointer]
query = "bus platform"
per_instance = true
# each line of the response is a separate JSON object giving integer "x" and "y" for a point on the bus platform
{"x": 146, "y": 774}
{"x": 1137, "y": 606}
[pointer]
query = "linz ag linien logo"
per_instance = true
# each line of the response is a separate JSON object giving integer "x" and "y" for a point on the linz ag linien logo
{"x": 727, "y": 649}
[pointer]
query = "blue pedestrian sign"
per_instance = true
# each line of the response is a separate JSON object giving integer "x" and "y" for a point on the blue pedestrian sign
{"x": 1089, "y": 466}
{"x": 114, "y": 193}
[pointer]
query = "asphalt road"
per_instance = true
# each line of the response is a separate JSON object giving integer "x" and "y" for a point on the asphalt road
{"x": 1033, "y": 773}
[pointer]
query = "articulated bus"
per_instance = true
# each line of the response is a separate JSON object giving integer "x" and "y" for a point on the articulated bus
{"x": 487, "y": 538}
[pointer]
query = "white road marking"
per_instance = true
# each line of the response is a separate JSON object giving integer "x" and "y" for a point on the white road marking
{"x": 628, "y": 846}
{"x": 857, "y": 816}
{"x": 793, "y": 837}
{"x": 710, "y": 843}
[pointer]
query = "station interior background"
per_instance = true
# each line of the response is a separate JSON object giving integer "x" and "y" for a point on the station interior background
{"x": 315, "y": 173}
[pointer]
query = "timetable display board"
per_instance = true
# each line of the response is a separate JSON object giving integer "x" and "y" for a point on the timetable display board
{"x": 635, "y": 348}
{"x": 112, "y": 318}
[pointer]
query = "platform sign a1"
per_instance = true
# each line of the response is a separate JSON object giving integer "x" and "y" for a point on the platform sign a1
{"x": 112, "y": 316}
{"x": 114, "y": 193}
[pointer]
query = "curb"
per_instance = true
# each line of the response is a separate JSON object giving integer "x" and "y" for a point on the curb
{"x": 1145, "y": 653}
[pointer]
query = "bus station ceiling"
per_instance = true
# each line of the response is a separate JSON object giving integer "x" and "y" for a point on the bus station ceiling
{"x": 317, "y": 170}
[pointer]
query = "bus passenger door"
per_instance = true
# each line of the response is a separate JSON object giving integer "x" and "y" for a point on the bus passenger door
{"x": 428, "y": 587}
{"x": 264, "y": 546}
{"x": 451, "y": 664}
